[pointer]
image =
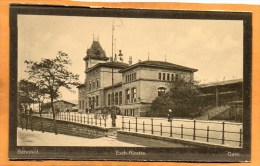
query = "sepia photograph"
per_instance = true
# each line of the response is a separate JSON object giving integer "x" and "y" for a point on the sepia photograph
{"x": 130, "y": 84}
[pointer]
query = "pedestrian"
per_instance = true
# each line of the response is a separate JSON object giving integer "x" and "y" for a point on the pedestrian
{"x": 113, "y": 117}
{"x": 170, "y": 115}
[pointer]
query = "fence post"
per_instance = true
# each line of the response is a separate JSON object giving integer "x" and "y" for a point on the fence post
{"x": 194, "y": 130}
{"x": 223, "y": 132}
{"x": 88, "y": 118}
{"x": 136, "y": 124}
{"x": 123, "y": 123}
{"x": 208, "y": 134}
{"x": 161, "y": 128}
{"x": 171, "y": 128}
{"x": 96, "y": 120}
{"x": 100, "y": 121}
{"x": 152, "y": 125}
{"x": 143, "y": 127}
{"x": 181, "y": 130}
{"x": 240, "y": 138}
{"x": 129, "y": 126}
{"x": 105, "y": 122}
{"x": 80, "y": 118}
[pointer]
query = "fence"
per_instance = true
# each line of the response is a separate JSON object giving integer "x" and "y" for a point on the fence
{"x": 90, "y": 119}
{"x": 225, "y": 133}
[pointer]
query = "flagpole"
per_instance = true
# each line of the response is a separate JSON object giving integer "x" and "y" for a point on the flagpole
{"x": 113, "y": 29}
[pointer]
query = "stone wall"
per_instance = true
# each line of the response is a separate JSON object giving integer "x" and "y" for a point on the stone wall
{"x": 64, "y": 127}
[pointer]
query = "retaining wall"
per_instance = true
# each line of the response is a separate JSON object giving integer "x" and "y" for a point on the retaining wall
{"x": 65, "y": 127}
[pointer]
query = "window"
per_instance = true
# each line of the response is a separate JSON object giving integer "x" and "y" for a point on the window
{"x": 90, "y": 85}
{"x": 134, "y": 76}
{"x": 172, "y": 77}
{"x": 86, "y": 103}
{"x": 161, "y": 91}
{"x": 93, "y": 84}
{"x": 97, "y": 100}
{"x": 89, "y": 102}
{"x": 79, "y": 104}
{"x": 127, "y": 92}
{"x": 120, "y": 97}
{"x": 160, "y": 76}
{"x": 108, "y": 99}
{"x": 112, "y": 99}
{"x": 133, "y": 92}
{"x": 168, "y": 77}
{"x": 82, "y": 104}
{"x": 163, "y": 76}
{"x": 97, "y": 83}
{"x": 93, "y": 102}
{"x": 125, "y": 78}
{"x": 116, "y": 98}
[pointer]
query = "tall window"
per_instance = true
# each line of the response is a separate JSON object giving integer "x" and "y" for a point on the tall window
{"x": 172, "y": 77}
{"x": 168, "y": 77}
{"x": 86, "y": 103}
{"x": 108, "y": 99}
{"x": 79, "y": 104}
{"x": 134, "y": 76}
{"x": 82, "y": 104}
{"x": 97, "y": 82}
{"x": 97, "y": 100}
{"x": 164, "y": 76}
{"x": 160, "y": 76}
{"x": 89, "y": 102}
{"x": 127, "y": 92}
{"x": 177, "y": 77}
{"x": 90, "y": 85}
{"x": 93, "y": 83}
{"x": 133, "y": 95}
{"x": 112, "y": 99}
{"x": 161, "y": 91}
{"x": 125, "y": 78}
{"x": 116, "y": 98}
{"x": 120, "y": 97}
{"x": 93, "y": 101}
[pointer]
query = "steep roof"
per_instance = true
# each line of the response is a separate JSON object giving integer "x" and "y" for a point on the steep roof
{"x": 160, "y": 65}
{"x": 118, "y": 65}
{"x": 96, "y": 52}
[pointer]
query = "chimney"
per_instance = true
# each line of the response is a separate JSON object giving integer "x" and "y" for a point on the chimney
{"x": 120, "y": 55}
{"x": 130, "y": 60}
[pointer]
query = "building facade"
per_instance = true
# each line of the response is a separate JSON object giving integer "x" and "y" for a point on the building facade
{"x": 129, "y": 87}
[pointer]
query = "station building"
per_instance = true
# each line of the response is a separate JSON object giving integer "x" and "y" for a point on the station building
{"x": 129, "y": 87}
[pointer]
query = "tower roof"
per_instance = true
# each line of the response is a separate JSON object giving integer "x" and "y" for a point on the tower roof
{"x": 96, "y": 52}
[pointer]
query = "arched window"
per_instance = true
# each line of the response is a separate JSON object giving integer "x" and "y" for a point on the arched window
{"x": 112, "y": 99}
{"x": 97, "y": 81}
{"x": 172, "y": 77}
{"x": 116, "y": 98}
{"x": 161, "y": 91}
{"x": 168, "y": 77}
{"x": 108, "y": 99}
{"x": 89, "y": 102}
{"x": 163, "y": 76}
{"x": 93, "y": 101}
{"x": 97, "y": 100}
{"x": 127, "y": 97}
{"x": 120, "y": 97}
{"x": 133, "y": 92}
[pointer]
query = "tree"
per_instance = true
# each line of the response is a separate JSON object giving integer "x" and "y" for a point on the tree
{"x": 31, "y": 92}
{"x": 52, "y": 74}
{"x": 182, "y": 98}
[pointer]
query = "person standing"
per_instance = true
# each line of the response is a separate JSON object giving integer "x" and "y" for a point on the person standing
{"x": 113, "y": 117}
{"x": 170, "y": 115}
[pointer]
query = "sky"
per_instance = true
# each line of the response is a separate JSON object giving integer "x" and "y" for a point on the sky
{"x": 214, "y": 47}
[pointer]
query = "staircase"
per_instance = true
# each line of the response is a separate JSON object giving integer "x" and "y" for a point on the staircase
{"x": 215, "y": 113}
